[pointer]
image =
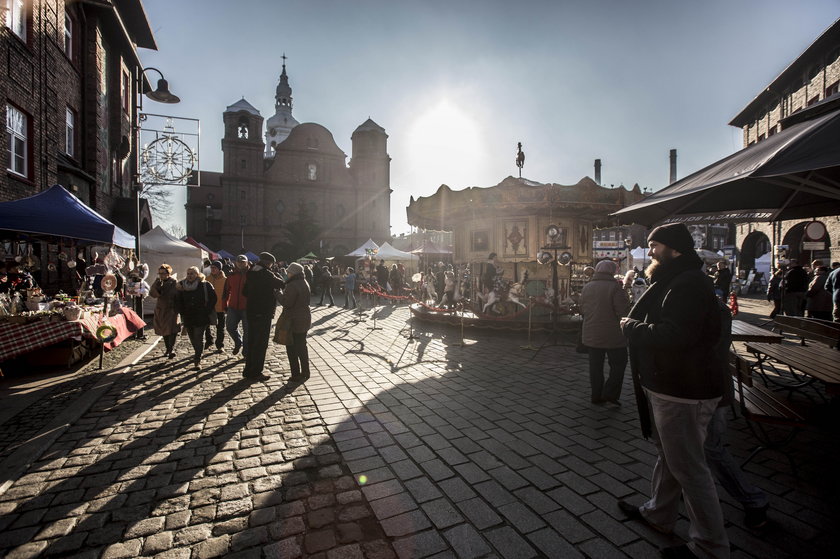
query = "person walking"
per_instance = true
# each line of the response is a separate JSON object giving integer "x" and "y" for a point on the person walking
{"x": 295, "y": 300}
{"x": 832, "y": 286}
{"x": 795, "y": 289}
{"x": 196, "y": 302}
{"x": 673, "y": 332}
{"x": 382, "y": 276}
{"x": 722, "y": 281}
{"x": 774, "y": 291}
{"x": 217, "y": 279}
{"x": 603, "y": 303}
{"x": 326, "y": 286}
{"x": 349, "y": 288}
{"x": 260, "y": 286}
{"x": 164, "y": 289}
{"x": 818, "y": 298}
{"x": 236, "y": 302}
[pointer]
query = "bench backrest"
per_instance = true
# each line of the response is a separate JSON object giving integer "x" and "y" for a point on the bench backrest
{"x": 740, "y": 369}
{"x": 810, "y": 328}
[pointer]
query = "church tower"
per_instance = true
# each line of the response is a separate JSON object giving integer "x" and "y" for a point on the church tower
{"x": 242, "y": 148}
{"x": 370, "y": 165}
{"x": 278, "y": 126}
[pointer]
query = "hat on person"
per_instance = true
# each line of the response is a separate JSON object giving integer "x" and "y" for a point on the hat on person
{"x": 675, "y": 236}
{"x": 267, "y": 257}
{"x": 607, "y": 266}
{"x": 241, "y": 258}
{"x": 216, "y": 264}
{"x": 294, "y": 269}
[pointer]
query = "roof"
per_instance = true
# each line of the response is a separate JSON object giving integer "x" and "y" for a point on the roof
{"x": 242, "y": 105}
{"x": 310, "y": 136}
{"x": 773, "y": 92}
{"x": 369, "y": 126}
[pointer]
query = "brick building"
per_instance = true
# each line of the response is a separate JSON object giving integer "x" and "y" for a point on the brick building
{"x": 270, "y": 179}
{"x": 807, "y": 88}
{"x": 67, "y": 87}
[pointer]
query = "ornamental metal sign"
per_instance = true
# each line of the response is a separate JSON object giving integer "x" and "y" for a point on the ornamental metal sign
{"x": 169, "y": 148}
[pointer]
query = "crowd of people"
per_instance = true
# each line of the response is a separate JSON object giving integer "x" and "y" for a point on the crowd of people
{"x": 797, "y": 291}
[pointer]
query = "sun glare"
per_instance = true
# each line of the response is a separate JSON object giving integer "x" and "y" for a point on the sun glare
{"x": 446, "y": 143}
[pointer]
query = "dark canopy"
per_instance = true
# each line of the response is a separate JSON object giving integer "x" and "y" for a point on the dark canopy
{"x": 57, "y": 213}
{"x": 794, "y": 174}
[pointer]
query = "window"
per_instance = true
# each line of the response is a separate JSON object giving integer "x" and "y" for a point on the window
{"x": 70, "y": 132}
{"x": 242, "y": 131}
{"x": 16, "y": 17}
{"x": 813, "y": 100}
{"x": 312, "y": 171}
{"x": 833, "y": 89}
{"x": 68, "y": 34}
{"x": 125, "y": 90}
{"x": 17, "y": 129}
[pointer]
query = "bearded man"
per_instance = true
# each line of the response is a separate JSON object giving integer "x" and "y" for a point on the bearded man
{"x": 672, "y": 333}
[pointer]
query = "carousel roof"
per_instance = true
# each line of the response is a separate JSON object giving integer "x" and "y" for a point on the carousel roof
{"x": 516, "y": 196}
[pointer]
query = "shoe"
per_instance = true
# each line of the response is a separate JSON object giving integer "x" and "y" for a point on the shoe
{"x": 611, "y": 401}
{"x": 597, "y": 400}
{"x": 220, "y": 350}
{"x": 197, "y": 365}
{"x": 755, "y": 517}
{"x": 678, "y": 552}
{"x": 633, "y": 513}
{"x": 299, "y": 378}
{"x": 260, "y": 377}
{"x": 172, "y": 355}
{"x": 208, "y": 344}
{"x": 236, "y": 348}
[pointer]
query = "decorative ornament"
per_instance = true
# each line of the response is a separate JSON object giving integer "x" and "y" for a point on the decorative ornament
{"x": 106, "y": 333}
{"x": 167, "y": 160}
{"x": 109, "y": 282}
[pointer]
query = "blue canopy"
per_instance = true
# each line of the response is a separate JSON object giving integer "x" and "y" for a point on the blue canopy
{"x": 225, "y": 254}
{"x": 252, "y": 257}
{"x": 58, "y": 213}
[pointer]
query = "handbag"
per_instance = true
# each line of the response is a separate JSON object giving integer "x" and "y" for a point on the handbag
{"x": 212, "y": 317}
{"x": 282, "y": 331}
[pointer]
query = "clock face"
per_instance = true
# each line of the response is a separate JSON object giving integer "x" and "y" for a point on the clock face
{"x": 280, "y": 206}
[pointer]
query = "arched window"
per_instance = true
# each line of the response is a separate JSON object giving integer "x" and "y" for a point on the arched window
{"x": 312, "y": 172}
{"x": 242, "y": 131}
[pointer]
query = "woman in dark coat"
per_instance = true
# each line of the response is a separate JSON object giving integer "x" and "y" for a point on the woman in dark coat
{"x": 164, "y": 289}
{"x": 295, "y": 300}
{"x": 603, "y": 303}
{"x": 195, "y": 301}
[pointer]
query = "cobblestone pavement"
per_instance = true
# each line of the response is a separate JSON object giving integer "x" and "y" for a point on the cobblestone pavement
{"x": 395, "y": 447}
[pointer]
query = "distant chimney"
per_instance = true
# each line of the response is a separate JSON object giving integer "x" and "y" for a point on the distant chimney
{"x": 673, "y": 167}
{"x": 598, "y": 171}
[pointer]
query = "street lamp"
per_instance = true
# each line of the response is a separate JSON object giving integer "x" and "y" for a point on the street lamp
{"x": 161, "y": 95}
{"x": 556, "y": 242}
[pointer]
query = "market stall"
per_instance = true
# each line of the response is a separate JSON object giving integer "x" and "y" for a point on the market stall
{"x": 159, "y": 247}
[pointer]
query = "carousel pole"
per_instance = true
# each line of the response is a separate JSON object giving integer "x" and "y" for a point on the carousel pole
{"x": 529, "y": 346}
{"x": 461, "y": 343}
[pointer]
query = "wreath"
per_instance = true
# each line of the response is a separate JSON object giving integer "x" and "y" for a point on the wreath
{"x": 106, "y": 333}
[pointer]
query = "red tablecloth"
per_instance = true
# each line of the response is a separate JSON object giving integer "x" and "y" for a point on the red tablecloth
{"x": 18, "y": 339}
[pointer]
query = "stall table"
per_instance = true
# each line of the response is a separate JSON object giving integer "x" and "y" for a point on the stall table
{"x": 19, "y": 339}
{"x": 746, "y": 332}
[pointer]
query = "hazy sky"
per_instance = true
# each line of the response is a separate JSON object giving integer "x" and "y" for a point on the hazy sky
{"x": 456, "y": 84}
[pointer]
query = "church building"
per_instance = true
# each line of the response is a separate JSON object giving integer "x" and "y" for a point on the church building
{"x": 276, "y": 179}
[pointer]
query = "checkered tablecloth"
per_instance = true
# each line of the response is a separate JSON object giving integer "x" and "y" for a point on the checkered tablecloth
{"x": 18, "y": 339}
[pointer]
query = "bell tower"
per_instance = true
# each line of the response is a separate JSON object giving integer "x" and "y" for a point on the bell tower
{"x": 371, "y": 168}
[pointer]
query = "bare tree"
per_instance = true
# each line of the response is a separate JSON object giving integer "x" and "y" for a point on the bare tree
{"x": 159, "y": 198}
{"x": 176, "y": 231}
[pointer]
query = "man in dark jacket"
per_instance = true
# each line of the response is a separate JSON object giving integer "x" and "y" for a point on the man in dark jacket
{"x": 795, "y": 289}
{"x": 672, "y": 332}
{"x": 723, "y": 280}
{"x": 260, "y": 284}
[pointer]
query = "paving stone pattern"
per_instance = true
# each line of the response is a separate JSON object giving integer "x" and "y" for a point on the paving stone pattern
{"x": 394, "y": 448}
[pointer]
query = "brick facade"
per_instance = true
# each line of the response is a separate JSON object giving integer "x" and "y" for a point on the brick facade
{"x": 811, "y": 83}
{"x": 44, "y": 78}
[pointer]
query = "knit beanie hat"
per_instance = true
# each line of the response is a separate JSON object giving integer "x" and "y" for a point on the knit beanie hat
{"x": 216, "y": 264}
{"x": 294, "y": 269}
{"x": 675, "y": 236}
{"x": 267, "y": 257}
{"x": 607, "y": 266}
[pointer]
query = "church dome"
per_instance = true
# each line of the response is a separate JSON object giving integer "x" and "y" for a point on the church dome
{"x": 311, "y": 137}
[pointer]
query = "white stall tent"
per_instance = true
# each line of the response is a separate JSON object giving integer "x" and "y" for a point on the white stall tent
{"x": 159, "y": 247}
{"x": 362, "y": 251}
{"x": 387, "y": 252}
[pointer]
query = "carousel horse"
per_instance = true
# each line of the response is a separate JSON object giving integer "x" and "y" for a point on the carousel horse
{"x": 517, "y": 292}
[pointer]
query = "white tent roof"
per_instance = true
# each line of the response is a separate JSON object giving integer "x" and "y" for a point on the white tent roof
{"x": 159, "y": 247}
{"x": 388, "y": 252}
{"x": 362, "y": 250}
{"x": 158, "y": 240}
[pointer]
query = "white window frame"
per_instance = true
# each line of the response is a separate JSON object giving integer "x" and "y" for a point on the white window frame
{"x": 16, "y": 17}
{"x": 125, "y": 89}
{"x": 17, "y": 129}
{"x": 70, "y": 132}
{"x": 68, "y": 34}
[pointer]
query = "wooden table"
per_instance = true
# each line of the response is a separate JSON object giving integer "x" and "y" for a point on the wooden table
{"x": 814, "y": 362}
{"x": 746, "y": 332}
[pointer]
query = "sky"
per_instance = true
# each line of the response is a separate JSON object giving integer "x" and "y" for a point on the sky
{"x": 456, "y": 84}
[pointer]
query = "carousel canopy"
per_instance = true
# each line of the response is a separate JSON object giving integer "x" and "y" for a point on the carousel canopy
{"x": 56, "y": 212}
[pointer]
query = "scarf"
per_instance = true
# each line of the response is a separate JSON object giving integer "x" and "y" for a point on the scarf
{"x": 186, "y": 285}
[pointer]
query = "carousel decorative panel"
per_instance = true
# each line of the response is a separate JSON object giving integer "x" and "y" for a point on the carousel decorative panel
{"x": 516, "y": 238}
{"x": 480, "y": 241}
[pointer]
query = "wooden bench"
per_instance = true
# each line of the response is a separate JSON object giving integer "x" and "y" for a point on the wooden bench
{"x": 760, "y": 407}
{"x": 813, "y": 329}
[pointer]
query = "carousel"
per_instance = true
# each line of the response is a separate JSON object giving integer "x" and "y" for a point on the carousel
{"x": 522, "y": 251}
